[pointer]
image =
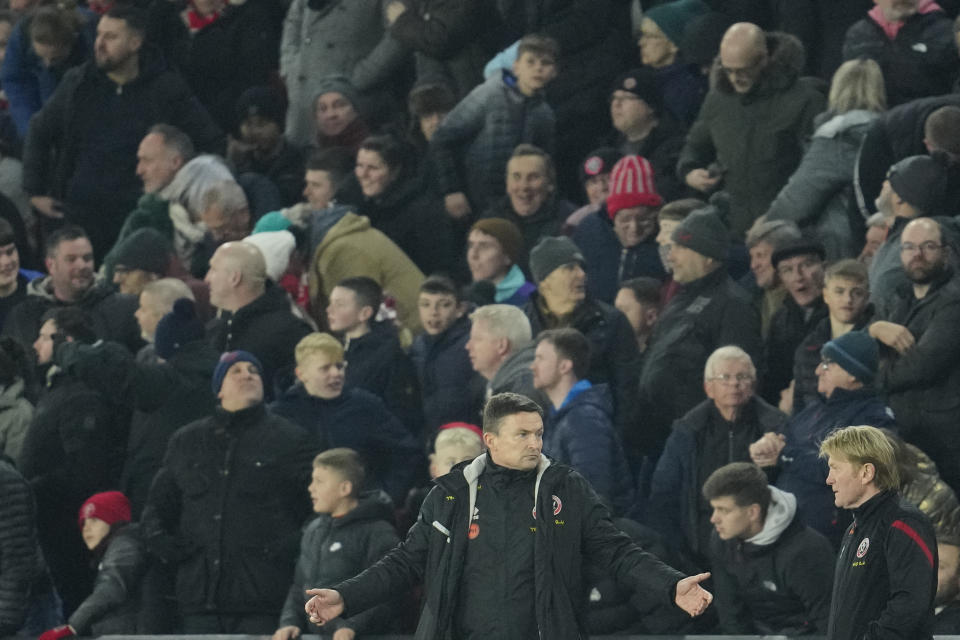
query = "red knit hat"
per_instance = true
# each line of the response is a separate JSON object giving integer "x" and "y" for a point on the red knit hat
{"x": 631, "y": 185}
{"x": 109, "y": 506}
{"x": 462, "y": 425}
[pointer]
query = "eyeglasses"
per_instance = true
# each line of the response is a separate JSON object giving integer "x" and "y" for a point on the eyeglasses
{"x": 740, "y": 378}
{"x": 825, "y": 364}
{"x": 926, "y": 248}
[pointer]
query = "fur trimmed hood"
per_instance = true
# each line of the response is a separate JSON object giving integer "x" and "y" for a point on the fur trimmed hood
{"x": 787, "y": 61}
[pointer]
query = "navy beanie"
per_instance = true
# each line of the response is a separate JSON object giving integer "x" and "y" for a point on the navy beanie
{"x": 177, "y": 328}
{"x": 856, "y": 353}
{"x": 227, "y": 360}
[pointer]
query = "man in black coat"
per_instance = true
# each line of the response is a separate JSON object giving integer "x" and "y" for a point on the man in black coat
{"x": 482, "y": 511}
{"x": 255, "y": 314}
{"x": 885, "y": 579}
{"x": 227, "y": 505}
{"x": 94, "y": 123}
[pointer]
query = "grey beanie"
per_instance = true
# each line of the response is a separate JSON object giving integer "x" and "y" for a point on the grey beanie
{"x": 341, "y": 85}
{"x": 921, "y": 181}
{"x": 552, "y": 253}
{"x": 704, "y": 232}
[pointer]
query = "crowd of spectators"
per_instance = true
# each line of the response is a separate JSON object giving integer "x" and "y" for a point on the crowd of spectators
{"x": 262, "y": 263}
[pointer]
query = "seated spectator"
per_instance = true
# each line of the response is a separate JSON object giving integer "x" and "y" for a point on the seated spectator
{"x": 386, "y": 189}
{"x": 579, "y": 430}
{"x": 501, "y": 351}
{"x": 643, "y": 127}
{"x": 716, "y": 432}
{"x": 911, "y": 40}
{"x": 32, "y": 605}
{"x": 920, "y": 370}
{"x": 772, "y": 573}
{"x": 71, "y": 450}
{"x": 13, "y": 280}
{"x": 372, "y": 348}
{"x": 618, "y": 241}
{"x": 844, "y": 379}
{"x": 799, "y": 266}
{"x": 531, "y": 202}
{"x": 875, "y": 235}
{"x": 639, "y": 300}
{"x": 261, "y": 148}
{"x": 668, "y": 219}
{"x": 121, "y": 559}
{"x": 71, "y": 283}
{"x": 561, "y": 301}
{"x": 452, "y": 391}
{"x": 595, "y": 179}
{"x": 708, "y": 311}
{"x": 42, "y": 48}
{"x": 915, "y": 187}
{"x": 846, "y": 292}
{"x": 164, "y": 394}
{"x": 473, "y": 144}
{"x": 339, "y": 416}
{"x": 819, "y": 195}
{"x": 762, "y": 281}
{"x": 16, "y": 411}
{"x": 756, "y": 83}
{"x": 947, "y": 601}
{"x": 207, "y": 509}
{"x": 682, "y": 85}
{"x": 494, "y": 251}
{"x": 353, "y": 530}
{"x": 336, "y": 116}
{"x": 255, "y": 314}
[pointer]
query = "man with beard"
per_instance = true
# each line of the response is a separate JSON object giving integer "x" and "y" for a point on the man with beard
{"x": 94, "y": 123}
{"x": 920, "y": 370}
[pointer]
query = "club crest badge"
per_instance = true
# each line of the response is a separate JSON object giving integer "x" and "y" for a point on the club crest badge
{"x": 557, "y": 505}
{"x": 862, "y": 549}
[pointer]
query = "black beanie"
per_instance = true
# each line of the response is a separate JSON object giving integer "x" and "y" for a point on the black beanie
{"x": 145, "y": 249}
{"x": 921, "y": 181}
{"x": 177, "y": 328}
{"x": 703, "y": 231}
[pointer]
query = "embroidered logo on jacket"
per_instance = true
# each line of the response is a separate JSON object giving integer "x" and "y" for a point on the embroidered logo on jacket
{"x": 862, "y": 549}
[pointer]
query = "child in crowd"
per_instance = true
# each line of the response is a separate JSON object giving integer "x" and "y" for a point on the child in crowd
{"x": 483, "y": 129}
{"x": 353, "y": 531}
{"x": 116, "y": 545}
{"x": 450, "y": 388}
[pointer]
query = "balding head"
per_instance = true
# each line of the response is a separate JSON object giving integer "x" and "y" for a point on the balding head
{"x": 743, "y": 55}
{"x": 237, "y": 275}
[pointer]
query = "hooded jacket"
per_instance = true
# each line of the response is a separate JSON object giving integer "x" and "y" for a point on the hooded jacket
{"x": 514, "y": 375}
{"x": 758, "y": 137}
{"x": 570, "y": 523}
{"x": 777, "y": 582}
{"x": 334, "y": 549}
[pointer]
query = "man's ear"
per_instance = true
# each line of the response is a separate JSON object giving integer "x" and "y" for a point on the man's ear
{"x": 345, "y": 488}
{"x": 868, "y": 473}
{"x": 461, "y": 309}
{"x": 565, "y": 365}
{"x": 366, "y": 313}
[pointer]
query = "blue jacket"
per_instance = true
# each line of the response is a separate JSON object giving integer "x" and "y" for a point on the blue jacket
{"x": 357, "y": 419}
{"x": 580, "y": 434}
{"x": 803, "y": 473}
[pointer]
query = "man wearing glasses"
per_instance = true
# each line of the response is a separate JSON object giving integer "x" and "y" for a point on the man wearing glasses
{"x": 791, "y": 458}
{"x": 750, "y": 131}
{"x": 920, "y": 370}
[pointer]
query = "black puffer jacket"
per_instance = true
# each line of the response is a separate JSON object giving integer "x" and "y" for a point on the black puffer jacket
{"x": 113, "y": 606}
{"x": 788, "y": 327}
{"x": 226, "y": 507}
{"x": 23, "y": 572}
{"x": 334, "y": 549}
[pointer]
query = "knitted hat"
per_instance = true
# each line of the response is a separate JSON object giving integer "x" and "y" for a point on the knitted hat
{"x": 598, "y": 162}
{"x": 704, "y": 232}
{"x": 177, "y": 328}
{"x": 631, "y": 185}
{"x": 462, "y": 425}
{"x": 109, "y": 506}
{"x": 552, "y": 253}
{"x": 921, "y": 181}
{"x": 800, "y": 247}
{"x": 276, "y": 247}
{"x": 673, "y": 17}
{"x": 701, "y": 39}
{"x": 145, "y": 249}
{"x": 642, "y": 83}
{"x": 856, "y": 353}
{"x": 341, "y": 85}
{"x": 227, "y": 360}
{"x": 426, "y": 99}
{"x": 506, "y": 233}
{"x": 265, "y": 102}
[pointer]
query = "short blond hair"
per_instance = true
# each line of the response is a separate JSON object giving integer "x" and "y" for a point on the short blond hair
{"x": 318, "y": 343}
{"x": 460, "y": 438}
{"x": 862, "y": 445}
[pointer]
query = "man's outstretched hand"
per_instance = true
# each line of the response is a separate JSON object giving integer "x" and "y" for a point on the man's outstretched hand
{"x": 691, "y": 597}
{"x": 326, "y": 604}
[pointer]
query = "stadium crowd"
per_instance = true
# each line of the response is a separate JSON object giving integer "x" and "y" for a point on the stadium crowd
{"x": 267, "y": 268}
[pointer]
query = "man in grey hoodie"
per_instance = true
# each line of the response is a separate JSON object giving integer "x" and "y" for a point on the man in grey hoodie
{"x": 772, "y": 573}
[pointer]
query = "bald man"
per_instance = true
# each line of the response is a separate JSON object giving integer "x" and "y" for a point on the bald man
{"x": 254, "y": 314}
{"x": 920, "y": 371}
{"x": 748, "y": 138}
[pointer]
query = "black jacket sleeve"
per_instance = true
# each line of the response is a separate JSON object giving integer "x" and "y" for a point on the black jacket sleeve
{"x": 122, "y": 568}
{"x": 19, "y": 549}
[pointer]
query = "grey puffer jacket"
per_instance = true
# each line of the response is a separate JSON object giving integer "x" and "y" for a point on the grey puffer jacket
{"x": 820, "y": 194}
{"x": 16, "y": 412}
{"x": 112, "y": 607}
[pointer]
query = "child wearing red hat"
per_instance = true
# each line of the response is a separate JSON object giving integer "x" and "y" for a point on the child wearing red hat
{"x": 104, "y": 521}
